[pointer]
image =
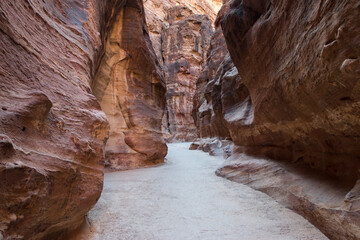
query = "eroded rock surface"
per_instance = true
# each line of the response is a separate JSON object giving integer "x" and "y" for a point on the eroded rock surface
{"x": 184, "y": 46}
{"x": 292, "y": 94}
{"x": 130, "y": 88}
{"x": 52, "y": 129}
{"x": 180, "y": 32}
{"x": 331, "y": 204}
{"x": 218, "y": 70}
{"x": 305, "y": 104}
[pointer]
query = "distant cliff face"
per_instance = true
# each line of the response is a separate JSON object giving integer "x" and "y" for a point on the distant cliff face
{"x": 208, "y": 111}
{"x": 180, "y": 32}
{"x": 184, "y": 46}
{"x": 291, "y": 92}
{"x": 52, "y": 128}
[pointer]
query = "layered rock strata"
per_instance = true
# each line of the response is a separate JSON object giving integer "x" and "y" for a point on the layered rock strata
{"x": 52, "y": 129}
{"x": 295, "y": 106}
{"x": 157, "y": 12}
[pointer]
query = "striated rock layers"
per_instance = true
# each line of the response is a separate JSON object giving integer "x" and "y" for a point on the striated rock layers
{"x": 181, "y": 34}
{"x": 52, "y": 129}
{"x": 297, "y": 100}
{"x": 302, "y": 75}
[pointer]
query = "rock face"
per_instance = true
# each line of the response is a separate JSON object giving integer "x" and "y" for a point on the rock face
{"x": 306, "y": 66}
{"x": 297, "y": 100}
{"x": 157, "y": 12}
{"x": 184, "y": 46}
{"x": 52, "y": 129}
{"x": 129, "y": 86}
{"x": 180, "y": 32}
{"x": 218, "y": 70}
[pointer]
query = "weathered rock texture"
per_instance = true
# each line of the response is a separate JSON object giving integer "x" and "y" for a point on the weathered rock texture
{"x": 180, "y": 32}
{"x": 297, "y": 100}
{"x": 129, "y": 86}
{"x": 157, "y": 12}
{"x": 218, "y": 70}
{"x": 52, "y": 129}
{"x": 184, "y": 46}
{"x": 302, "y": 74}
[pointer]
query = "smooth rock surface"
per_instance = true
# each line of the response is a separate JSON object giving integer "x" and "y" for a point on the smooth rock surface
{"x": 301, "y": 73}
{"x": 130, "y": 88}
{"x": 52, "y": 129}
{"x": 289, "y": 91}
{"x": 183, "y": 199}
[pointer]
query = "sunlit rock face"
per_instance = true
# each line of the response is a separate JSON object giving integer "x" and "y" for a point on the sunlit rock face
{"x": 291, "y": 93}
{"x": 129, "y": 86}
{"x": 157, "y": 12}
{"x": 180, "y": 32}
{"x": 52, "y": 129}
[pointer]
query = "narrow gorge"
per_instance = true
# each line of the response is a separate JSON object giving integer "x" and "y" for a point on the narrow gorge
{"x": 101, "y": 100}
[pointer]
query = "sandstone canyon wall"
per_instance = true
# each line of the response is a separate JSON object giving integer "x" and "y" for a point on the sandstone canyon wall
{"x": 129, "y": 86}
{"x": 302, "y": 75}
{"x": 184, "y": 46}
{"x": 208, "y": 107}
{"x": 180, "y": 32}
{"x": 291, "y": 104}
{"x": 52, "y": 129}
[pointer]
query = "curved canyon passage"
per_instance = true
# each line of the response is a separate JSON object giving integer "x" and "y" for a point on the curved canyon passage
{"x": 184, "y": 199}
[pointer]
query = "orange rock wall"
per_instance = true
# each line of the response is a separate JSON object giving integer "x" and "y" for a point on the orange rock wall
{"x": 130, "y": 88}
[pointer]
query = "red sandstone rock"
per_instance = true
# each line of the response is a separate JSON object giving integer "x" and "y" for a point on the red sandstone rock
{"x": 328, "y": 203}
{"x": 130, "y": 88}
{"x": 52, "y": 129}
{"x": 184, "y": 46}
{"x": 158, "y": 10}
{"x": 180, "y": 32}
{"x": 297, "y": 100}
{"x": 302, "y": 80}
{"x": 208, "y": 109}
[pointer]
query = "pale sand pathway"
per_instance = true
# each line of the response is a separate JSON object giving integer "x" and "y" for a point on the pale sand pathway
{"x": 184, "y": 199}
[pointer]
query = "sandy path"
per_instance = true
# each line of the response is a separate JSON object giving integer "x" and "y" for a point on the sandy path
{"x": 184, "y": 199}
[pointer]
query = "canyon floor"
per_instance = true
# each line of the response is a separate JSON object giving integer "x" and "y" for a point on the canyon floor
{"x": 184, "y": 199}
